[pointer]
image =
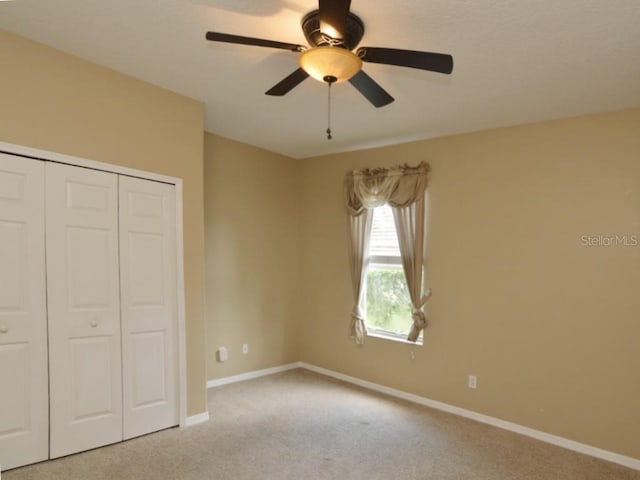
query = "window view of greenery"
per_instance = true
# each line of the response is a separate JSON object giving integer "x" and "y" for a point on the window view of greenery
{"x": 388, "y": 306}
{"x": 388, "y": 302}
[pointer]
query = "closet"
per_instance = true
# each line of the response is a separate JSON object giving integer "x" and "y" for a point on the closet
{"x": 88, "y": 309}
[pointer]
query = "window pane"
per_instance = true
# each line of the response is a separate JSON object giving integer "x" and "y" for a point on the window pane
{"x": 388, "y": 303}
{"x": 384, "y": 241}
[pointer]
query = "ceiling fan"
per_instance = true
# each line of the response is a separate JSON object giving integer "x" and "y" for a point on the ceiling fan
{"x": 333, "y": 32}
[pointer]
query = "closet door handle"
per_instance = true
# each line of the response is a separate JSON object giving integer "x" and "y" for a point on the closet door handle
{"x": 4, "y": 329}
{"x": 94, "y": 323}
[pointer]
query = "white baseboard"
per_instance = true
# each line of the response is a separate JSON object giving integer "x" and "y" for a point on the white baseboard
{"x": 217, "y": 382}
{"x": 196, "y": 419}
{"x": 496, "y": 422}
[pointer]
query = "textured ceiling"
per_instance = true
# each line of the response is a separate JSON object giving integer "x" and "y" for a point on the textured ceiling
{"x": 514, "y": 63}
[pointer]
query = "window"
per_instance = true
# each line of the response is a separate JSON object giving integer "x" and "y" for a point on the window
{"x": 388, "y": 306}
{"x": 363, "y": 191}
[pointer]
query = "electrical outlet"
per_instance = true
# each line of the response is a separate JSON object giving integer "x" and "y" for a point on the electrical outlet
{"x": 245, "y": 348}
{"x": 473, "y": 381}
{"x": 223, "y": 354}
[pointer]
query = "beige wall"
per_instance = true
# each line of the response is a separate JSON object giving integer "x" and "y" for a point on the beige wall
{"x": 550, "y": 327}
{"x": 251, "y": 221}
{"x": 57, "y": 102}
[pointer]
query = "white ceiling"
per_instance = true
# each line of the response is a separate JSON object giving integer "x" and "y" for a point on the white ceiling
{"x": 514, "y": 62}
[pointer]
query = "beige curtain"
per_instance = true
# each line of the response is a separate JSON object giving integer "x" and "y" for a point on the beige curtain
{"x": 360, "y": 233}
{"x": 403, "y": 188}
{"x": 409, "y": 222}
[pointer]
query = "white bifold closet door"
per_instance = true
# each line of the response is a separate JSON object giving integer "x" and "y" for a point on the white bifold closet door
{"x": 83, "y": 308}
{"x": 111, "y": 275}
{"x": 24, "y": 399}
{"x": 88, "y": 309}
{"x": 149, "y": 305}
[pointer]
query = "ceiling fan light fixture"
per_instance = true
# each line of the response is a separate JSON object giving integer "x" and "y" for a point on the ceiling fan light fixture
{"x": 330, "y": 62}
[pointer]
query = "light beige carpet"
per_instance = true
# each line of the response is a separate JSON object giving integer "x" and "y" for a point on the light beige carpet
{"x": 300, "y": 425}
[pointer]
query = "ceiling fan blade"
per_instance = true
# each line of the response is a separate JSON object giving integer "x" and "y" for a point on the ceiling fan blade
{"x": 434, "y": 62}
{"x": 258, "y": 42}
{"x": 288, "y": 84}
{"x": 333, "y": 17}
{"x": 368, "y": 87}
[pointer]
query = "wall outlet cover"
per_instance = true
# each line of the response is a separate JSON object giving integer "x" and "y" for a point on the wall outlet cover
{"x": 223, "y": 354}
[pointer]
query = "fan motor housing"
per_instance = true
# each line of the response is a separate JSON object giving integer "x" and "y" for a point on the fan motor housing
{"x": 311, "y": 29}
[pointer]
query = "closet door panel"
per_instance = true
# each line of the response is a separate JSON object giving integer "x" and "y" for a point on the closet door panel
{"x": 84, "y": 308}
{"x": 24, "y": 399}
{"x": 149, "y": 309}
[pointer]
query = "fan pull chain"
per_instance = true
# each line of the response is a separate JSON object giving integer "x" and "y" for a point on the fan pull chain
{"x": 329, "y": 137}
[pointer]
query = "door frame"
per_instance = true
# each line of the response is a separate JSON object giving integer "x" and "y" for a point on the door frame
{"x": 47, "y": 156}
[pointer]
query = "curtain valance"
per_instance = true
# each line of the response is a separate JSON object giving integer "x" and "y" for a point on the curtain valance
{"x": 398, "y": 186}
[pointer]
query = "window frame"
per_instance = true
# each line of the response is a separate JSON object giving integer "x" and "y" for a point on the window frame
{"x": 391, "y": 262}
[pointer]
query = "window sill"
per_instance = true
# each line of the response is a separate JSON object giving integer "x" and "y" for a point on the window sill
{"x": 394, "y": 337}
